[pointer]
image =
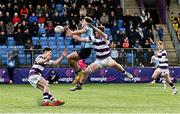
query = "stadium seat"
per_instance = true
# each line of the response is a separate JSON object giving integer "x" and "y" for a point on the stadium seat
{"x": 120, "y": 23}
{"x": 59, "y": 7}
{"x": 52, "y": 43}
{"x": 3, "y": 50}
{"x": 43, "y": 39}
{"x": 67, "y": 42}
{"x": 60, "y": 38}
{"x": 153, "y": 46}
{"x": 28, "y": 59}
{"x": 10, "y": 48}
{"x": 20, "y": 49}
{"x": 53, "y": 46}
{"x": 108, "y": 31}
{"x": 129, "y": 57}
{"x": 4, "y": 59}
{"x": 22, "y": 59}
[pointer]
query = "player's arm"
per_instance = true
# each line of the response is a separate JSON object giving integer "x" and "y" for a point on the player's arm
{"x": 42, "y": 61}
{"x": 78, "y": 32}
{"x": 98, "y": 30}
{"x": 76, "y": 37}
{"x": 55, "y": 62}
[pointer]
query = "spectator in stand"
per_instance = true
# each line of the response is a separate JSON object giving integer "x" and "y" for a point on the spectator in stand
{"x": 24, "y": 11}
{"x": 37, "y": 47}
{"x": 160, "y": 33}
{"x": 2, "y": 27}
{"x": 10, "y": 29}
{"x": 172, "y": 16}
{"x": 178, "y": 18}
{"x": 97, "y": 12}
{"x": 74, "y": 13}
{"x": 31, "y": 9}
{"x": 112, "y": 17}
{"x": 175, "y": 24}
{"x": 50, "y": 29}
{"x": 33, "y": 29}
{"x": 82, "y": 11}
{"x": 9, "y": 8}
{"x": 27, "y": 36}
{"x": 47, "y": 18}
{"x": 16, "y": 9}
{"x": 24, "y": 26}
{"x": 28, "y": 47}
{"x": 113, "y": 29}
{"x": 105, "y": 9}
{"x": 41, "y": 25}
{"x": 39, "y": 10}
{"x": 18, "y": 37}
{"x": 105, "y": 19}
{"x": 1, "y": 16}
{"x": 65, "y": 9}
{"x": 90, "y": 10}
{"x": 15, "y": 53}
{"x": 119, "y": 12}
{"x": 126, "y": 43}
{"x": 2, "y": 38}
{"x": 56, "y": 19}
{"x": 46, "y": 9}
{"x": 33, "y": 18}
{"x": 136, "y": 20}
{"x": 16, "y": 19}
{"x": 10, "y": 67}
{"x": 146, "y": 44}
{"x": 7, "y": 18}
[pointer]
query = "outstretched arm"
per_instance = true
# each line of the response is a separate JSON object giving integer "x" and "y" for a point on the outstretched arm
{"x": 78, "y": 32}
{"x": 75, "y": 37}
{"x": 98, "y": 30}
{"x": 55, "y": 62}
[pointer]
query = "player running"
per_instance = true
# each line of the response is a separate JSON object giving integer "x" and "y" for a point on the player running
{"x": 103, "y": 59}
{"x": 155, "y": 62}
{"x": 163, "y": 67}
{"x": 36, "y": 79}
{"x": 84, "y": 52}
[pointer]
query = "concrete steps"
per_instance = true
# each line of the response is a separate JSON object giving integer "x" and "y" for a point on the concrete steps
{"x": 169, "y": 46}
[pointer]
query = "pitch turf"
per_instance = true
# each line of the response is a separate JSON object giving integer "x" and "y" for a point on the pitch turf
{"x": 94, "y": 98}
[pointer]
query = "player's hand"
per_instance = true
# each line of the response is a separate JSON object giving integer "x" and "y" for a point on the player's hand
{"x": 64, "y": 54}
{"x": 69, "y": 33}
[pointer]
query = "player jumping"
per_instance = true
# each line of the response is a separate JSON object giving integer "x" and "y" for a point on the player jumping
{"x": 36, "y": 79}
{"x": 103, "y": 59}
{"x": 84, "y": 52}
{"x": 163, "y": 67}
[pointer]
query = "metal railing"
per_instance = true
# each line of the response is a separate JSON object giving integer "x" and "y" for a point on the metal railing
{"x": 127, "y": 57}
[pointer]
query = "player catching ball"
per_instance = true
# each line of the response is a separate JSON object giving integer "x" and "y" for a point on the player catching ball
{"x": 103, "y": 58}
{"x": 36, "y": 79}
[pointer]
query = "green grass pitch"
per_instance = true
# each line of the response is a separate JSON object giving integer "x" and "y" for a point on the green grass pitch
{"x": 94, "y": 98}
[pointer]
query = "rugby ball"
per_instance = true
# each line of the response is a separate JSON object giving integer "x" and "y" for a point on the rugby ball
{"x": 59, "y": 29}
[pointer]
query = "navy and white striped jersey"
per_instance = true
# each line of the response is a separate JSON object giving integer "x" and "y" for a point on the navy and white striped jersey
{"x": 162, "y": 58}
{"x": 101, "y": 46}
{"x": 39, "y": 67}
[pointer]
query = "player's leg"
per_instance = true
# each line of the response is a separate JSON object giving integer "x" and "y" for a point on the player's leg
{"x": 112, "y": 63}
{"x": 47, "y": 96}
{"x": 90, "y": 68}
{"x": 72, "y": 59}
{"x": 168, "y": 79}
{"x": 156, "y": 73}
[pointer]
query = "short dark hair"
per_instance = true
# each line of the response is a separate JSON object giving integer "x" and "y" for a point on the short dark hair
{"x": 88, "y": 19}
{"x": 47, "y": 49}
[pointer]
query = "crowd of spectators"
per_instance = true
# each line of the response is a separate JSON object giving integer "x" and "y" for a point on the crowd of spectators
{"x": 175, "y": 19}
{"x": 23, "y": 19}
